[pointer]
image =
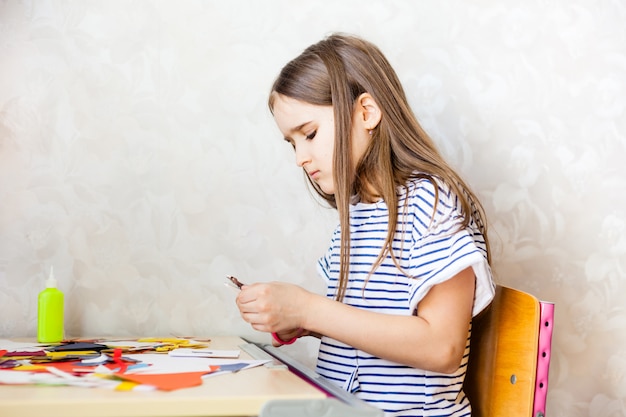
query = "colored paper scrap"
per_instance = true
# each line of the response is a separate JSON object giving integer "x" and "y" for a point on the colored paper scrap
{"x": 78, "y": 346}
{"x": 234, "y": 367}
{"x": 23, "y": 353}
{"x": 166, "y": 364}
{"x": 10, "y": 345}
{"x": 205, "y": 353}
{"x": 97, "y": 360}
{"x": 9, "y": 364}
{"x": 73, "y": 353}
{"x": 126, "y": 386}
{"x": 19, "y": 378}
{"x": 169, "y": 382}
{"x": 169, "y": 344}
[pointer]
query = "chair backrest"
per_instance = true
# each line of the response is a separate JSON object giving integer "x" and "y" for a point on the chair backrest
{"x": 510, "y": 356}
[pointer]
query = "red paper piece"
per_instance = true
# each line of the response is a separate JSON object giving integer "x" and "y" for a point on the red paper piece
{"x": 169, "y": 382}
{"x": 117, "y": 358}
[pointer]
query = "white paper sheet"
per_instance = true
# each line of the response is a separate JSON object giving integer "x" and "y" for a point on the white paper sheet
{"x": 166, "y": 364}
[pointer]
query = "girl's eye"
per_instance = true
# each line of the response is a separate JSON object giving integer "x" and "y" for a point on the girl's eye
{"x": 310, "y": 136}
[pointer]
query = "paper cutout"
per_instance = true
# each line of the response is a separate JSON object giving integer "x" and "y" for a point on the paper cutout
{"x": 205, "y": 353}
{"x": 99, "y": 360}
{"x": 78, "y": 346}
{"x": 126, "y": 386}
{"x": 165, "y": 364}
{"x": 10, "y": 345}
{"x": 169, "y": 382}
{"x": 21, "y": 378}
{"x": 76, "y": 354}
{"x": 234, "y": 367}
{"x": 68, "y": 367}
{"x": 9, "y": 364}
{"x": 23, "y": 353}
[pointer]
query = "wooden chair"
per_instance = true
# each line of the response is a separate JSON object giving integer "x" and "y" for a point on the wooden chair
{"x": 509, "y": 359}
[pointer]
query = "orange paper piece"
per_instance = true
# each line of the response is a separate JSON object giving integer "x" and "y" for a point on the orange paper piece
{"x": 169, "y": 382}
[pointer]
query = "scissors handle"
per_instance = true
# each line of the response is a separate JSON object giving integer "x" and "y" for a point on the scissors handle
{"x": 235, "y": 281}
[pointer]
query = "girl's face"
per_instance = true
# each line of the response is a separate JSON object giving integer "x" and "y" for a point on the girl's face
{"x": 310, "y": 129}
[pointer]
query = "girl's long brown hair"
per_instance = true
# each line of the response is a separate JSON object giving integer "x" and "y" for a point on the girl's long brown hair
{"x": 335, "y": 72}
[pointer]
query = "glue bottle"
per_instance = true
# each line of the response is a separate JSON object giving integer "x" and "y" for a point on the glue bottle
{"x": 50, "y": 312}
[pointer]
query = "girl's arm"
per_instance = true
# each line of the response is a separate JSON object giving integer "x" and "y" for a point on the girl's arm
{"x": 433, "y": 340}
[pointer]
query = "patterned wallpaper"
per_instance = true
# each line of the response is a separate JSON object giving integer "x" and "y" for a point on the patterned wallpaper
{"x": 138, "y": 157}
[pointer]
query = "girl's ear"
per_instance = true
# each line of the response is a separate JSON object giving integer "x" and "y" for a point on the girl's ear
{"x": 367, "y": 111}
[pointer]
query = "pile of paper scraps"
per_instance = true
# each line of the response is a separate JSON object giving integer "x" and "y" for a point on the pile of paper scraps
{"x": 142, "y": 364}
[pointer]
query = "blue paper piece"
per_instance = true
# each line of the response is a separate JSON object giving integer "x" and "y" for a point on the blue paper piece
{"x": 234, "y": 367}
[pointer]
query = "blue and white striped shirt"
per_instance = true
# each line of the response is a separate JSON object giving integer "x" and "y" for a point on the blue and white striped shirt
{"x": 431, "y": 250}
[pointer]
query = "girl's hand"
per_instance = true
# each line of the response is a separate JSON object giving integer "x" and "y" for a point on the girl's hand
{"x": 274, "y": 307}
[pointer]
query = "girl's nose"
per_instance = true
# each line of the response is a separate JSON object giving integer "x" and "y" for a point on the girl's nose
{"x": 302, "y": 158}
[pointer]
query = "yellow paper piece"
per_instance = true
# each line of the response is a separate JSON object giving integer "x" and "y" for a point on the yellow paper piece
{"x": 29, "y": 368}
{"x": 59, "y": 355}
{"x": 126, "y": 386}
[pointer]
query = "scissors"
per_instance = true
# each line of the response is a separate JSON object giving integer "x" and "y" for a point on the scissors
{"x": 238, "y": 284}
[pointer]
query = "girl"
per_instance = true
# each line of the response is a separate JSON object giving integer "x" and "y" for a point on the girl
{"x": 408, "y": 265}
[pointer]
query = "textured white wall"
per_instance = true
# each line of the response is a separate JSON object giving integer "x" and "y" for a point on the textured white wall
{"x": 138, "y": 157}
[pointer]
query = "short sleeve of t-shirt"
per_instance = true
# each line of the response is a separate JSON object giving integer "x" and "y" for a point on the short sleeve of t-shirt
{"x": 442, "y": 248}
{"x": 439, "y": 248}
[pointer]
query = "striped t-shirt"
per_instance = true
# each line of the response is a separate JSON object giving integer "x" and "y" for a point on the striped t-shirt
{"x": 430, "y": 250}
